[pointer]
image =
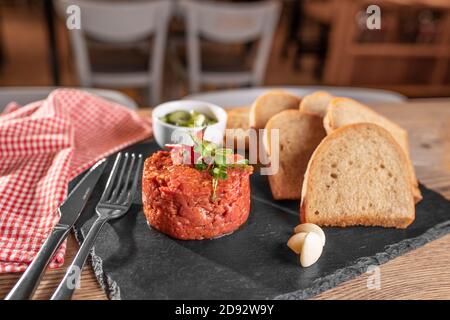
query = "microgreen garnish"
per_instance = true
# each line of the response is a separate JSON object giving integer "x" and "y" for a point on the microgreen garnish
{"x": 216, "y": 160}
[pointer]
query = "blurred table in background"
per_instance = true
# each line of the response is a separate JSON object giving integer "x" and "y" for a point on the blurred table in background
{"x": 410, "y": 54}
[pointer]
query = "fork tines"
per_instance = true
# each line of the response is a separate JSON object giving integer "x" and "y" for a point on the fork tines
{"x": 123, "y": 180}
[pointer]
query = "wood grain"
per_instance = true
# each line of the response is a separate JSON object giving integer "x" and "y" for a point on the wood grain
{"x": 421, "y": 274}
{"x": 89, "y": 287}
{"x": 345, "y": 45}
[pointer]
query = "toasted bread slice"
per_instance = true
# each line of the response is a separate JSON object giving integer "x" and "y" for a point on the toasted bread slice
{"x": 269, "y": 104}
{"x": 238, "y": 118}
{"x": 358, "y": 176}
{"x": 299, "y": 134}
{"x": 238, "y": 125}
{"x": 344, "y": 111}
{"x": 316, "y": 103}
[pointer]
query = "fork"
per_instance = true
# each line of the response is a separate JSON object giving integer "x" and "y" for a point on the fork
{"x": 115, "y": 202}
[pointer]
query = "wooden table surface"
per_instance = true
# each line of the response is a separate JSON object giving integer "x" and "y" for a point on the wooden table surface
{"x": 420, "y": 274}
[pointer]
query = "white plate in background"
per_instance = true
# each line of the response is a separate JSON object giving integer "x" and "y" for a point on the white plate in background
{"x": 246, "y": 96}
{"x": 25, "y": 95}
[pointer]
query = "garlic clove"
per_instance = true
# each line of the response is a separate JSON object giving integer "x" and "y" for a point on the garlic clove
{"x": 312, "y": 249}
{"x": 296, "y": 242}
{"x": 311, "y": 227}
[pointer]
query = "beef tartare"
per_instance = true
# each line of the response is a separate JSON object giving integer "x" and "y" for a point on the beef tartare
{"x": 183, "y": 202}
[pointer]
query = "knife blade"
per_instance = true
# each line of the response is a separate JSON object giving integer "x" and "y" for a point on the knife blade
{"x": 71, "y": 209}
{"x": 69, "y": 213}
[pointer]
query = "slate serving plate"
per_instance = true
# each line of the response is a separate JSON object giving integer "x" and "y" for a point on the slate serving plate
{"x": 133, "y": 261}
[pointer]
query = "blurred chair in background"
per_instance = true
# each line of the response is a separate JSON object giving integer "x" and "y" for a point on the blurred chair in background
{"x": 228, "y": 23}
{"x": 122, "y": 24}
{"x": 308, "y": 31}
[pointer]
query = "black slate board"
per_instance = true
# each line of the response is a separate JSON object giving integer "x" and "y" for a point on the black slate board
{"x": 133, "y": 261}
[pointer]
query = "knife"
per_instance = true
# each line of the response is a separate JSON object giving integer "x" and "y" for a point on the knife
{"x": 69, "y": 212}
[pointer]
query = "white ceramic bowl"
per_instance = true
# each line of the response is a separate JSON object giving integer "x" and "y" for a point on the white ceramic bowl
{"x": 166, "y": 133}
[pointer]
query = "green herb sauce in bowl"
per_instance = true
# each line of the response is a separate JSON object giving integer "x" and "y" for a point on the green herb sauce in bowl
{"x": 189, "y": 119}
{"x": 175, "y": 122}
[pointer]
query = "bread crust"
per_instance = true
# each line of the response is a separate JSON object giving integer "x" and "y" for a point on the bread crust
{"x": 313, "y": 103}
{"x": 287, "y": 185}
{"x": 343, "y": 222}
{"x": 237, "y": 126}
{"x": 328, "y": 123}
{"x": 269, "y": 104}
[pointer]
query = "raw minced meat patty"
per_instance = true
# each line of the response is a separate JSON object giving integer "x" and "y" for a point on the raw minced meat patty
{"x": 177, "y": 199}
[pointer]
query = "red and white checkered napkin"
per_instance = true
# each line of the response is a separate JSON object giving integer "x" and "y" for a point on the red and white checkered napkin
{"x": 44, "y": 145}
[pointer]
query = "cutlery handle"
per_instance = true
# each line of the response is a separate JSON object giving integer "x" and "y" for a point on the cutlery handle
{"x": 73, "y": 274}
{"x": 27, "y": 284}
